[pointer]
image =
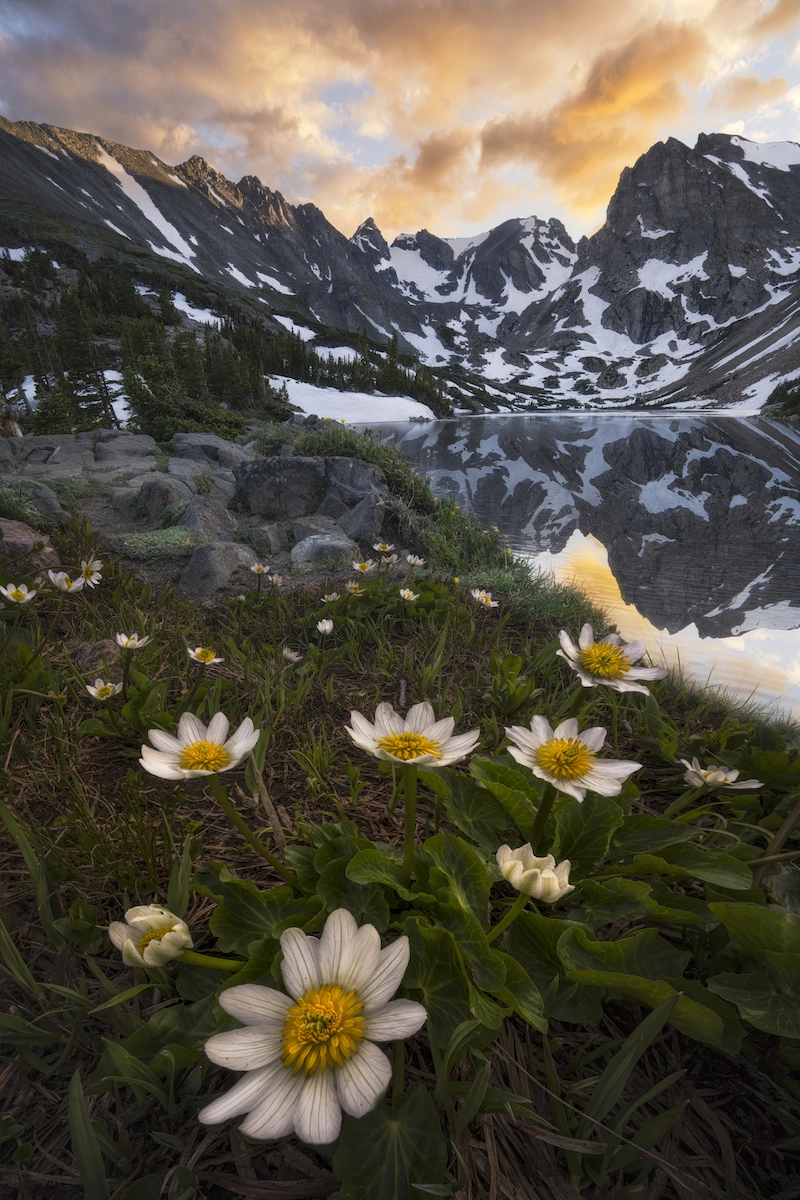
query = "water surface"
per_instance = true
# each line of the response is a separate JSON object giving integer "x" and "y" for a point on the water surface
{"x": 685, "y": 528}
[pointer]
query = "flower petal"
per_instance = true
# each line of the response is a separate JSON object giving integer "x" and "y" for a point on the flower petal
{"x": 245, "y": 1049}
{"x": 119, "y": 933}
{"x": 165, "y": 741}
{"x": 594, "y": 738}
{"x": 273, "y": 1116}
{"x": 363, "y": 1079}
{"x": 420, "y": 717}
{"x": 568, "y": 648}
{"x": 300, "y": 966}
{"x": 586, "y": 636}
{"x": 360, "y": 960}
{"x": 397, "y": 1019}
{"x": 340, "y": 929}
{"x": 157, "y": 763}
{"x": 248, "y": 1091}
{"x": 218, "y": 728}
{"x": 387, "y": 721}
{"x": 191, "y": 729}
{"x": 385, "y": 979}
{"x": 253, "y": 1004}
{"x": 567, "y": 729}
{"x": 318, "y": 1114}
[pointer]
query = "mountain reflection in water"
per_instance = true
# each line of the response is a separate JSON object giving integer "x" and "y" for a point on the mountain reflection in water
{"x": 686, "y": 528}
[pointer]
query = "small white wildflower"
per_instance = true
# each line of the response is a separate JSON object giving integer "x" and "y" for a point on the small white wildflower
{"x": 484, "y": 598}
{"x": 364, "y": 567}
{"x": 90, "y": 571}
{"x": 131, "y": 641}
{"x": 325, "y": 625}
{"x": 292, "y": 656}
{"x": 407, "y": 594}
{"x": 205, "y": 655}
{"x": 414, "y": 560}
{"x": 150, "y": 936}
{"x": 63, "y": 582}
{"x": 103, "y": 691}
{"x": 329, "y": 597}
{"x": 18, "y": 592}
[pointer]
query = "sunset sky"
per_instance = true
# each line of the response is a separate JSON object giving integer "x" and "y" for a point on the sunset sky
{"x": 451, "y": 115}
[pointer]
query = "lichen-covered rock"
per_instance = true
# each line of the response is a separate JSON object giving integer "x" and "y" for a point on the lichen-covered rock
{"x": 19, "y": 539}
{"x": 325, "y": 549}
{"x": 212, "y": 567}
{"x": 156, "y": 493}
{"x": 208, "y": 517}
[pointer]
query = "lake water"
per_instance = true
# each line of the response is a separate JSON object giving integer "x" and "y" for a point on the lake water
{"x": 685, "y": 528}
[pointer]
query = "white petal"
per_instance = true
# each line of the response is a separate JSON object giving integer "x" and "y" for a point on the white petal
{"x": 300, "y": 966}
{"x": 255, "y": 1005}
{"x": 594, "y": 738}
{"x": 191, "y": 729}
{"x": 363, "y": 1079}
{"x": 646, "y": 673}
{"x": 273, "y": 1116}
{"x": 634, "y": 651}
{"x": 387, "y": 721}
{"x": 386, "y": 977}
{"x": 360, "y": 960}
{"x": 243, "y": 740}
{"x": 420, "y": 717}
{"x": 218, "y": 728}
{"x": 397, "y": 1019}
{"x": 524, "y": 757}
{"x": 159, "y": 764}
{"x": 119, "y": 933}
{"x": 567, "y": 729}
{"x": 570, "y": 650}
{"x": 541, "y": 729}
{"x": 242, "y": 1096}
{"x": 131, "y": 956}
{"x": 441, "y": 731}
{"x": 318, "y": 1114}
{"x": 586, "y": 636}
{"x": 165, "y": 741}
{"x": 245, "y": 1049}
{"x": 340, "y": 929}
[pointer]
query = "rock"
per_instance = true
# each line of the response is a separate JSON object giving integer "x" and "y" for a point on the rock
{"x": 45, "y": 500}
{"x": 95, "y": 658}
{"x": 269, "y": 539}
{"x": 350, "y": 478}
{"x": 332, "y": 506}
{"x": 156, "y": 493}
{"x": 305, "y": 527}
{"x": 209, "y": 448}
{"x": 278, "y": 487}
{"x": 212, "y": 566}
{"x": 185, "y": 469}
{"x": 328, "y": 549}
{"x": 19, "y": 539}
{"x": 126, "y": 445}
{"x": 124, "y": 501}
{"x": 364, "y": 522}
{"x": 206, "y": 516}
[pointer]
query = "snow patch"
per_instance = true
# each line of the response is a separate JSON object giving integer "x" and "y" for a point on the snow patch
{"x": 15, "y": 253}
{"x": 347, "y": 353}
{"x": 657, "y": 276}
{"x": 227, "y": 230}
{"x": 303, "y": 332}
{"x": 275, "y": 284}
{"x": 203, "y": 316}
{"x": 236, "y": 274}
{"x": 44, "y": 150}
{"x": 652, "y": 233}
{"x": 116, "y": 228}
{"x": 356, "y": 408}
{"x": 779, "y": 155}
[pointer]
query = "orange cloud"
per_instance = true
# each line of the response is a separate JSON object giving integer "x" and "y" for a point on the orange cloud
{"x": 782, "y": 15}
{"x": 630, "y": 95}
{"x": 741, "y": 93}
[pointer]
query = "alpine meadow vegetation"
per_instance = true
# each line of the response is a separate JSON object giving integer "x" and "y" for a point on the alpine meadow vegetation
{"x": 415, "y": 868}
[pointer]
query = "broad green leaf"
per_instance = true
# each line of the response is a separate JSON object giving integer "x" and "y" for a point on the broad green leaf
{"x": 146, "y": 1188}
{"x": 757, "y": 929}
{"x": 695, "y": 990}
{"x": 488, "y": 970}
{"x": 382, "y": 1155}
{"x": 244, "y": 914}
{"x": 468, "y": 878}
{"x": 135, "y": 1074}
{"x": 643, "y": 834}
{"x": 435, "y": 971}
{"x": 471, "y": 808}
{"x": 695, "y": 1020}
{"x": 690, "y": 862}
{"x": 375, "y": 866}
{"x": 521, "y": 994}
{"x": 84, "y": 1144}
{"x": 760, "y": 1002}
{"x": 646, "y": 954}
{"x": 584, "y": 831}
{"x": 533, "y": 941}
{"x": 366, "y": 902}
{"x": 484, "y": 1009}
{"x": 186, "y": 1025}
{"x": 511, "y": 788}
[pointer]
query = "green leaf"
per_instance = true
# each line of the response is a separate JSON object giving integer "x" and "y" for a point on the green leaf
{"x": 488, "y": 969}
{"x": 180, "y": 875}
{"x": 84, "y": 1144}
{"x": 434, "y": 969}
{"x": 366, "y": 902}
{"x": 472, "y": 809}
{"x": 757, "y": 929}
{"x": 379, "y": 866}
{"x": 759, "y": 1002}
{"x": 511, "y": 788}
{"x": 184, "y": 1025}
{"x": 468, "y": 878}
{"x": 14, "y": 960}
{"x": 147, "y": 1188}
{"x": 484, "y": 1009}
{"x": 533, "y": 940}
{"x": 584, "y": 831}
{"x": 244, "y": 914}
{"x": 646, "y": 954}
{"x": 521, "y": 994}
{"x": 690, "y": 862}
{"x": 696, "y": 1020}
{"x": 135, "y": 1074}
{"x": 645, "y": 834}
{"x": 383, "y": 1155}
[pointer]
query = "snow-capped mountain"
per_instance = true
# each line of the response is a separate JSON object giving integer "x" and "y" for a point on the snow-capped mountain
{"x": 689, "y": 294}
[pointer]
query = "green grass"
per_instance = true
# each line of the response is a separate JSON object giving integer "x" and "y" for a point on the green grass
{"x": 15, "y": 506}
{"x": 150, "y": 544}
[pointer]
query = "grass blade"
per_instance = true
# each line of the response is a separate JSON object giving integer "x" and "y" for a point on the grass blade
{"x": 84, "y": 1144}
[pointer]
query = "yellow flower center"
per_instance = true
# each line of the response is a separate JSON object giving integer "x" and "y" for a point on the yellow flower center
{"x": 104, "y": 691}
{"x": 322, "y": 1029}
{"x": 204, "y": 655}
{"x": 409, "y": 745}
{"x": 18, "y": 594}
{"x": 153, "y": 935}
{"x": 605, "y": 660}
{"x": 565, "y": 758}
{"x": 204, "y": 756}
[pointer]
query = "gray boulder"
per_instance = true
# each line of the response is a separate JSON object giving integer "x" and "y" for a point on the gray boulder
{"x": 206, "y": 516}
{"x": 328, "y": 549}
{"x": 156, "y": 493}
{"x": 280, "y": 488}
{"x": 350, "y": 478}
{"x": 269, "y": 539}
{"x": 212, "y": 567}
{"x": 364, "y": 522}
{"x": 126, "y": 445}
{"x": 209, "y": 448}
{"x": 305, "y": 527}
{"x": 45, "y": 500}
{"x": 17, "y": 540}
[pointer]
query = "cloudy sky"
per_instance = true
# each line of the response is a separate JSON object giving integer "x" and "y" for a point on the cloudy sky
{"x": 446, "y": 114}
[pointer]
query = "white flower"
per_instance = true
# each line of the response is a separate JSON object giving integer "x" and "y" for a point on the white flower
{"x": 414, "y": 560}
{"x": 18, "y": 592}
{"x": 205, "y": 655}
{"x": 407, "y": 594}
{"x": 258, "y": 568}
{"x": 102, "y": 691}
{"x": 568, "y": 760}
{"x": 276, "y": 579}
{"x": 63, "y": 582}
{"x": 537, "y": 877}
{"x": 383, "y": 548}
{"x": 417, "y": 738}
{"x": 311, "y": 1054}
{"x": 715, "y": 777}
{"x": 354, "y": 589}
{"x": 325, "y": 625}
{"x": 364, "y": 567}
{"x": 607, "y": 661}
{"x": 131, "y": 641}
{"x": 150, "y": 936}
{"x": 389, "y": 559}
{"x": 329, "y": 597}
{"x": 484, "y": 598}
{"x": 196, "y": 750}
{"x": 90, "y": 570}
{"x": 292, "y": 656}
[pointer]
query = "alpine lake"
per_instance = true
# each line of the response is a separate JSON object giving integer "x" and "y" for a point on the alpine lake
{"x": 684, "y": 527}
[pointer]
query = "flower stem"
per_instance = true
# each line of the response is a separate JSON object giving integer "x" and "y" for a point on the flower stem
{"x": 126, "y": 667}
{"x": 43, "y": 642}
{"x": 684, "y": 801}
{"x": 410, "y": 789}
{"x": 511, "y": 915}
{"x": 239, "y": 823}
{"x": 780, "y": 839}
{"x": 190, "y": 697}
{"x": 545, "y": 809}
{"x": 207, "y": 960}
